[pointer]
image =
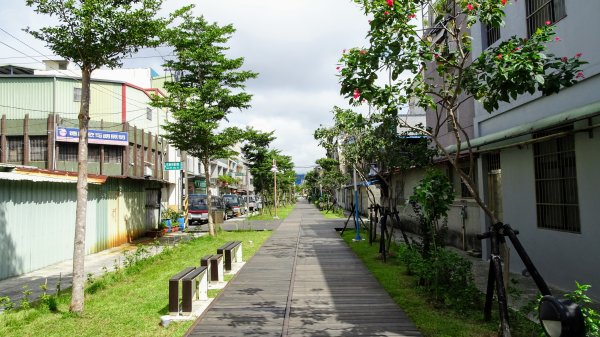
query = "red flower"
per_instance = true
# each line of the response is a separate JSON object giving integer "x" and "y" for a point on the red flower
{"x": 557, "y": 39}
{"x": 578, "y": 55}
{"x": 518, "y": 48}
{"x": 356, "y": 94}
{"x": 499, "y": 57}
{"x": 369, "y": 21}
{"x": 362, "y": 52}
{"x": 503, "y": 2}
{"x": 564, "y": 59}
{"x": 337, "y": 68}
{"x": 412, "y": 16}
{"x": 386, "y": 13}
{"x": 437, "y": 56}
{"x": 580, "y": 75}
{"x": 470, "y": 7}
{"x": 548, "y": 23}
{"x": 390, "y": 2}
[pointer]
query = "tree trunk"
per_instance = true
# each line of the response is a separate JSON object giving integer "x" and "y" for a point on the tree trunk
{"x": 77, "y": 296}
{"x": 211, "y": 226}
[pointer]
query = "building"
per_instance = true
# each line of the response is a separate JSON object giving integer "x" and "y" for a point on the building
{"x": 539, "y": 155}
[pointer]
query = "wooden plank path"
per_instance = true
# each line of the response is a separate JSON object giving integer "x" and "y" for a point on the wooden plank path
{"x": 304, "y": 281}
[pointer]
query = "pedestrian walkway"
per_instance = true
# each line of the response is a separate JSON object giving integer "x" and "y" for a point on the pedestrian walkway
{"x": 304, "y": 281}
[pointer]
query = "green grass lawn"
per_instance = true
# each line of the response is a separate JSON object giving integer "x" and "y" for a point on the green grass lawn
{"x": 129, "y": 302}
{"x": 332, "y": 215}
{"x": 268, "y": 213}
{"x": 430, "y": 317}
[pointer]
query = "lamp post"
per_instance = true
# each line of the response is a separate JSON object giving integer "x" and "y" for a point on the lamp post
{"x": 274, "y": 170}
{"x": 357, "y": 237}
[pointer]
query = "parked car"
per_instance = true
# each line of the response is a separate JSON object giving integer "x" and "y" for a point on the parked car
{"x": 198, "y": 209}
{"x": 251, "y": 202}
{"x": 259, "y": 203}
{"x": 243, "y": 205}
{"x": 232, "y": 204}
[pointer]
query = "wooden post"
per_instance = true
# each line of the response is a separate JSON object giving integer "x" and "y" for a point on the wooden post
{"x": 125, "y": 153}
{"x": 26, "y": 151}
{"x": 3, "y": 145}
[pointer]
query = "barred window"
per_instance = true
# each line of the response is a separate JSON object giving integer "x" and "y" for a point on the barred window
{"x": 556, "y": 183}
{"x": 149, "y": 114}
{"x": 15, "y": 149}
{"x": 67, "y": 151}
{"x": 492, "y": 34}
{"x": 39, "y": 148}
{"x": 113, "y": 154}
{"x": 541, "y": 11}
{"x": 94, "y": 153}
{"x": 76, "y": 94}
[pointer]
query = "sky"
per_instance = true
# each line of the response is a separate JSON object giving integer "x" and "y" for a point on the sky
{"x": 293, "y": 45}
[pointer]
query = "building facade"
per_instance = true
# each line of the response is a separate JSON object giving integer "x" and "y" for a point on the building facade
{"x": 539, "y": 155}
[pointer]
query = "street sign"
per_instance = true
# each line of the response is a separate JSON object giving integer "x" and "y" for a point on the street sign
{"x": 172, "y": 165}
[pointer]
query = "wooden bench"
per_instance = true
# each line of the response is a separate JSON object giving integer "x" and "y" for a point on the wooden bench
{"x": 194, "y": 283}
{"x": 232, "y": 252}
{"x": 214, "y": 265}
{"x": 174, "y": 290}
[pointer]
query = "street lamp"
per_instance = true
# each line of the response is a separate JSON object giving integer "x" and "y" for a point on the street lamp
{"x": 561, "y": 318}
{"x": 274, "y": 170}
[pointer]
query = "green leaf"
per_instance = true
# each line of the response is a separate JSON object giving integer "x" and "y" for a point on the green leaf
{"x": 539, "y": 78}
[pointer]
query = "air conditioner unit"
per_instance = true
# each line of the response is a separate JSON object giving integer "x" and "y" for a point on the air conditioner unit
{"x": 147, "y": 172}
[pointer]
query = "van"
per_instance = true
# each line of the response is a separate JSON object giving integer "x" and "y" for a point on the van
{"x": 232, "y": 204}
{"x": 198, "y": 209}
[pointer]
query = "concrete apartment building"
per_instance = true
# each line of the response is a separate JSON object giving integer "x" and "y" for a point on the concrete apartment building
{"x": 540, "y": 156}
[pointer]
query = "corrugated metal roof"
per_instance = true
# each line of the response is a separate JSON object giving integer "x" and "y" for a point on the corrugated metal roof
{"x": 35, "y": 178}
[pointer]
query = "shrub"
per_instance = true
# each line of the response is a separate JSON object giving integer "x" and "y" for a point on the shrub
{"x": 445, "y": 275}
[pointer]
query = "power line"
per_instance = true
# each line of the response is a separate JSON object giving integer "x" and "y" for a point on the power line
{"x": 59, "y": 70}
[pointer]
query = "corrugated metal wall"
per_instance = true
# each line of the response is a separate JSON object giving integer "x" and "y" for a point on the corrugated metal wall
{"x": 37, "y": 221}
{"x": 20, "y": 96}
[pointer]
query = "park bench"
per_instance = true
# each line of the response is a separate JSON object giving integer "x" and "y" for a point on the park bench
{"x": 174, "y": 290}
{"x": 194, "y": 286}
{"x": 232, "y": 251}
{"x": 214, "y": 265}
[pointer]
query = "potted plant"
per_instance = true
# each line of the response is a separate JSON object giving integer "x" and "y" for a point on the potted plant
{"x": 169, "y": 217}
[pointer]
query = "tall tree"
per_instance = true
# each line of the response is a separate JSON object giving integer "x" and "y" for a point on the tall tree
{"x": 444, "y": 76}
{"x": 208, "y": 86}
{"x": 93, "y": 34}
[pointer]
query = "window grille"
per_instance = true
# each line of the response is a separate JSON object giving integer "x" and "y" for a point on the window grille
{"x": 94, "y": 153}
{"x": 67, "y": 151}
{"x": 149, "y": 114}
{"x": 556, "y": 183}
{"x": 76, "y": 94}
{"x": 540, "y": 11}
{"x": 15, "y": 149}
{"x": 492, "y": 34}
{"x": 39, "y": 148}
{"x": 113, "y": 154}
{"x": 493, "y": 161}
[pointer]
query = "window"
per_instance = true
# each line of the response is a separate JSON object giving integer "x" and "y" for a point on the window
{"x": 149, "y": 114}
{"x": 492, "y": 34}
{"x": 39, "y": 148}
{"x": 15, "y": 149}
{"x": 113, "y": 154}
{"x": 76, "y": 94}
{"x": 540, "y": 11}
{"x": 67, "y": 151}
{"x": 94, "y": 153}
{"x": 556, "y": 183}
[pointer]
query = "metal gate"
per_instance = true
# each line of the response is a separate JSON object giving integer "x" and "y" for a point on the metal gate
{"x": 152, "y": 208}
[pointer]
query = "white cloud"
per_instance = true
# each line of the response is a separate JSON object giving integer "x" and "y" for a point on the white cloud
{"x": 294, "y": 45}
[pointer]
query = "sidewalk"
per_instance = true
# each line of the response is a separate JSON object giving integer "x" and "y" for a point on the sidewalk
{"x": 304, "y": 281}
{"x": 95, "y": 264}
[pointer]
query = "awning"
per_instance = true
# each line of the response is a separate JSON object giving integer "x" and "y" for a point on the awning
{"x": 569, "y": 116}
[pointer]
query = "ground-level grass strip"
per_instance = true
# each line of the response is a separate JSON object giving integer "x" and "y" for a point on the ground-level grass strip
{"x": 430, "y": 317}
{"x": 268, "y": 214}
{"x": 334, "y": 215}
{"x": 129, "y": 302}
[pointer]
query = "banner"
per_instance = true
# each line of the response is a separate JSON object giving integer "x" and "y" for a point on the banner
{"x": 94, "y": 136}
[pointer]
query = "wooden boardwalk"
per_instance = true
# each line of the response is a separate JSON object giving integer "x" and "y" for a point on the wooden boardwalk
{"x": 304, "y": 281}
